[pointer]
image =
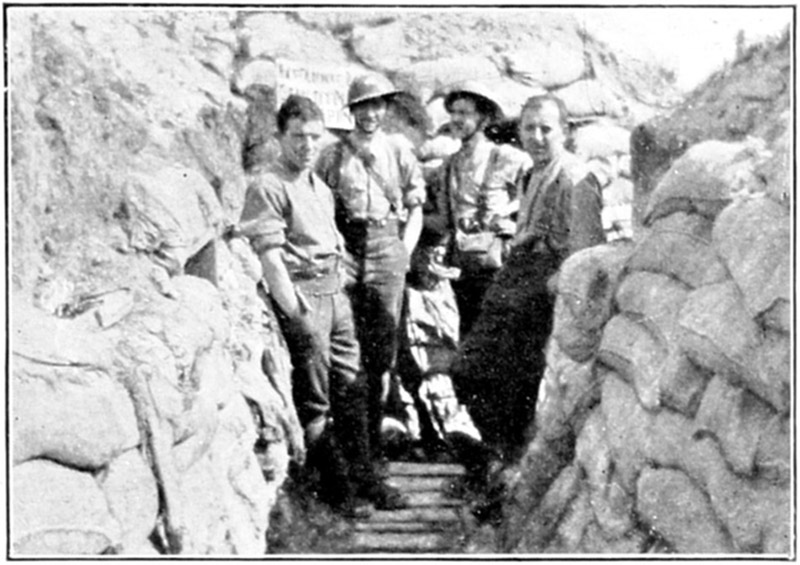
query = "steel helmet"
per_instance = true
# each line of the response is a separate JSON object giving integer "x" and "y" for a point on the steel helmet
{"x": 476, "y": 90}
{"x": 367, "y": 87}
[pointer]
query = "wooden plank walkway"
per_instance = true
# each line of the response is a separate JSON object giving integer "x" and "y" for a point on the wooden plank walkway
{"x": 434, "y": 522}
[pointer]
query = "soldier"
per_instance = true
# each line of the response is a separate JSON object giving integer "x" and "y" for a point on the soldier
{"x": 379, "y": 192}
{"x": 476, "y": 196}
{"x": 500, "y": 364}
{"x": 288, "y": 217}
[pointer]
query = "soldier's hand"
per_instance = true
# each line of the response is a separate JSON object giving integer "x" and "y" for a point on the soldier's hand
{"x": 305, "y": 334}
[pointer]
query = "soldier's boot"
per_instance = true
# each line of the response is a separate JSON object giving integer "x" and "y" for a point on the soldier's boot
{"x": 352, "y": 429}
{"x": 334, "y": 485}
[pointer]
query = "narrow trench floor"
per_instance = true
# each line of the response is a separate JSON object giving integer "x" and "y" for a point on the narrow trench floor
{"x": 436, "y": 521}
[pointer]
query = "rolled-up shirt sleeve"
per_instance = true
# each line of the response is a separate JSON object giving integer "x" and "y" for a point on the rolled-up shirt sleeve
{"x": 263, "y": 221}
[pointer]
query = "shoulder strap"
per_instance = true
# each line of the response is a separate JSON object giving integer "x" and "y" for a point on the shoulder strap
{"x": 448, "y": 184}
{"x": 490, "y": 166}
{"x": 376, "y": 176}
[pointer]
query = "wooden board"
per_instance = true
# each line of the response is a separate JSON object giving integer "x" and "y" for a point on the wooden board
{"x": 415, "y": 515}
{"x": 364, "y": 542}
{"x": 400, "y": 468}
{"x": 420, "y": 483}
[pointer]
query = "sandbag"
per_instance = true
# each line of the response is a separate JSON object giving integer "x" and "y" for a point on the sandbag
{"x": 590, "y": 97}
{"x": 130, "y": 490}
{"x": 637, "y": 436}
{"x": 59, "y": 341}
{"x": 718, "y": 334}
{"x": 716, "y": 331}
{"x": 707, "y": 178}
{"x": 576, "y": 520}
{"x": 753, "y": 237}
{"x": 652, "y": 297}
{"x": 428, "y": 77}
{"x": 273, "y": 35}
{"x": 736, "y": 419}
{"x": 382, "y": 48}
{"x": 567, "y": 391}
{"x": 612, "y": 505}
{"x": 79, "y": 417}
{"x": 655, "y": 300}
{"x": 768, "y": 371}
{"x": 773, "y": 457}
{"x": 551, "y": 65}
{"x": 594, "y": 541}
{"x": 638, "y": 355}
{"x": 672, "y": 505}
{"x": 627, "y": 423}
{"x": 171, "y": 214}
{"x": 58, "y": 511}
{"x": 751, "y": 511}
{"x": 586, "y": 285}
{"x": 527, "y": 530}
{"x": 778, "y": 317}
{"x": 679, "y": 245}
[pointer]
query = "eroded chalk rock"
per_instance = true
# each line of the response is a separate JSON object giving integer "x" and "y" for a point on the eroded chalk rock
{"x": 171, "y": 214}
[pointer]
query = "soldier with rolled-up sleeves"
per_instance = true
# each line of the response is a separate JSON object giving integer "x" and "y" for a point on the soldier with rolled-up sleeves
{"x": 288, "y": 218}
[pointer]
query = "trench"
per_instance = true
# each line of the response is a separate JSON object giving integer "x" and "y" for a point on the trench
{"x": 435, "y": 521}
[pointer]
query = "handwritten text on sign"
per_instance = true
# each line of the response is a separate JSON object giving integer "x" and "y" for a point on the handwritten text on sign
{"x": 327, "y": 86}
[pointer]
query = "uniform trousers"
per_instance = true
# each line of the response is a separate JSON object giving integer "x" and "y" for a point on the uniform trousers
{"x": 329, "y": 390}
{"x": 501, "y": 361}
{"x": 380, "y": 262}
{"x": 470, "y": 290}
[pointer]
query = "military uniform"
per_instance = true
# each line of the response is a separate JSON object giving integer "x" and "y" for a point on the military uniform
{"x": 477, "y": 189}
{"x": 500, "y": 363}
{"x": 295, "y": 213}
{"x": 376, "y": 183}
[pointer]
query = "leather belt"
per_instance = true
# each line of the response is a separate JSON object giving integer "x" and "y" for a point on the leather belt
{"x": 373, "y": 222}
{"x": 323, "y": 269}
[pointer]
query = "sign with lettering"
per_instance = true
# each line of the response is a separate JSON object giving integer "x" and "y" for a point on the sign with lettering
{"x": 325, "y": 84}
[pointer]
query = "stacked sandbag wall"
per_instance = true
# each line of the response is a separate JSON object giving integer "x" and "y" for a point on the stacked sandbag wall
{"x": 150, "y": 405}
{"x": 155, "y": 418}
{"x": 663, "y": 420}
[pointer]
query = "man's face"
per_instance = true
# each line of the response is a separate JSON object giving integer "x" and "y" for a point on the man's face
{"x": 541, "y": 133}
{"x": 369, "y": 114}
{"x": 465, "y": 118}
{"x": 300, "y": 142}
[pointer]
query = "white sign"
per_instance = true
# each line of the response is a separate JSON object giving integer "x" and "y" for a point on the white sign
{"x": 326, "y": 85}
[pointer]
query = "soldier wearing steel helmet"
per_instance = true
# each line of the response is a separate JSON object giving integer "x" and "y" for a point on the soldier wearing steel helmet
{"x": 379, "y": 192}
{"x": 476, "y": 194}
